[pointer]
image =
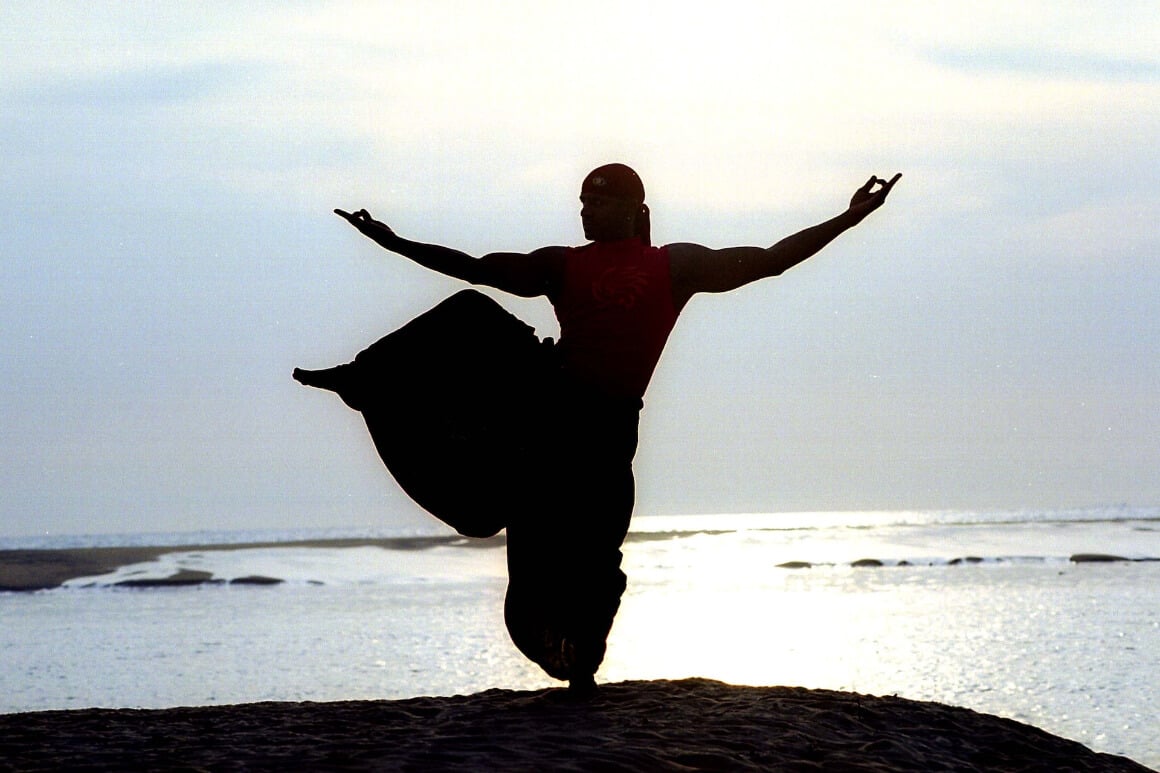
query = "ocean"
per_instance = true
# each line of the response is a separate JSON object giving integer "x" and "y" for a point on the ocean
{"x": 1019, "y": 614}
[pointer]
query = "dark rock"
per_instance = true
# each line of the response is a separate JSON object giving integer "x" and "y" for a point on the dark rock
{"x": 256, "y": 579}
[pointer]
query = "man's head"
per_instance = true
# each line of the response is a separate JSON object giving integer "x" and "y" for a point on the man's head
{"x": 612, "y": 204}
{"x": 616, "y": 181}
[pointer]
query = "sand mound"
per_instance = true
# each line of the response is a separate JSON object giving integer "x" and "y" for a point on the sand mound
{"x": 683, "y": 725}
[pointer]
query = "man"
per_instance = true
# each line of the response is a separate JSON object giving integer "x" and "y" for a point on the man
{"x": 616, "y": 299}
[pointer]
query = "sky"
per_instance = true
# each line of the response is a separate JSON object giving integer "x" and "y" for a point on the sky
{"x": 989, "y": 339}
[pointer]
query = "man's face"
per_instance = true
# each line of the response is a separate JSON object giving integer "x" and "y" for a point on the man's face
{"x": 606, "y": 218}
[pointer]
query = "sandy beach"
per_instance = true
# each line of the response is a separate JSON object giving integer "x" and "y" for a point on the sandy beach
{"x": 691, "y": 724}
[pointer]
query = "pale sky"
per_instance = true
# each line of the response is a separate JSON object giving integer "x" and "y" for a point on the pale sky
{"x": 990, "y": 339}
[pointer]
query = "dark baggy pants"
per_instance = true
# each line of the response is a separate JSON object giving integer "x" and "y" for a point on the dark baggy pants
{"x": 565, "y": 580}
{"x": 471, "y": 416}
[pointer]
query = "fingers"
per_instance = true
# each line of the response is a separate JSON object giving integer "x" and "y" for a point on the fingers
{"x": 886, "y": 185}
{"x": 361, "y": 216}
{"x": 868, "y": 198}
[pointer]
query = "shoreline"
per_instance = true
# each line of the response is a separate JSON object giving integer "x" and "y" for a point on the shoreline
{"x": 34, "y": 569}
{"x": 690, "y": 724}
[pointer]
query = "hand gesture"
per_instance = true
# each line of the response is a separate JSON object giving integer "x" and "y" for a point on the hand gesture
{"x": 366, "y": 224}
{"x": 867, "y": 199}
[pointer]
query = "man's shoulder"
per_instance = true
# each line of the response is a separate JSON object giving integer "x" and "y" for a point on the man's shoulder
{"x": 681, "y": 251}
{"x": 551, "y": 255}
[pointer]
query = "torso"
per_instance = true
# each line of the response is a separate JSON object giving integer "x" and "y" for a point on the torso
{"x": 615, "y": 308}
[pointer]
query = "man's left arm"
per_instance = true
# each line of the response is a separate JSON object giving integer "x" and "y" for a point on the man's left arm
{"x": 698, "y": 269}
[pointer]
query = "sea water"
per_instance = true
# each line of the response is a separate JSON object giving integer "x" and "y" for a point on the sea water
{"x": 982, "y": 610}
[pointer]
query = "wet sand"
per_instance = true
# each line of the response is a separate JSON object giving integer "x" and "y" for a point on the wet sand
{"x": 692, "y": 724}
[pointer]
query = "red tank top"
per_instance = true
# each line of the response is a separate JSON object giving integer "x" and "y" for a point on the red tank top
{"x": 615, "y": 309}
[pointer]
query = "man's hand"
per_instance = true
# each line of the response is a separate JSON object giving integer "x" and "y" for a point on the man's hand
{"x": 366, "y": 224}
{"x": 867, "y": 199}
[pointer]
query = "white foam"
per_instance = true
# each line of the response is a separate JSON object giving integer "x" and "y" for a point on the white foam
{"x": 312, "y": 565}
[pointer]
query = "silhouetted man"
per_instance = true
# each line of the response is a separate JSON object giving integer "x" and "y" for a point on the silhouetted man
{"x": 616, "y": 299}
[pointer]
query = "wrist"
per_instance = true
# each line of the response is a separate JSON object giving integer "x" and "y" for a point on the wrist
{"x": 381, "y": 233}
{"x": 853, "y": 216}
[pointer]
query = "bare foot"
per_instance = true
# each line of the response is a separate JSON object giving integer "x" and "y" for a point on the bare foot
{"x": 582, "y": 687}
{"x": 333, "y": 379}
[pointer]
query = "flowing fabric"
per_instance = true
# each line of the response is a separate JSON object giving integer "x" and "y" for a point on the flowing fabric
{"x": 452, "y": 401}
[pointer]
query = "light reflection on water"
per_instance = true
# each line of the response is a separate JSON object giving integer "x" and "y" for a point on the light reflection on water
{"x": 1069, "y": 648}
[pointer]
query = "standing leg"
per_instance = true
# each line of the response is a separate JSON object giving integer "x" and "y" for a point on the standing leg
{"x": 565, "y": 581}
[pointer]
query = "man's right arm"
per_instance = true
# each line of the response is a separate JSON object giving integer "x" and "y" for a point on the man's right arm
{"x": 698, "y": 269}
{"x": 526, "y": 275}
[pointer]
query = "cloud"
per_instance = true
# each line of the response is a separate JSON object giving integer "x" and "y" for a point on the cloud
{"x": 1041, "y": 63}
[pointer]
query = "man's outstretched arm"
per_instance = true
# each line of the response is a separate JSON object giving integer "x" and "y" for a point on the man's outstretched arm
{"x": 527, "y": 275}
{"x": 698, "y": 269}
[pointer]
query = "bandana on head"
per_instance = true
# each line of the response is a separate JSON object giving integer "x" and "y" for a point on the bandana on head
{"x": 616, "y": 181}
